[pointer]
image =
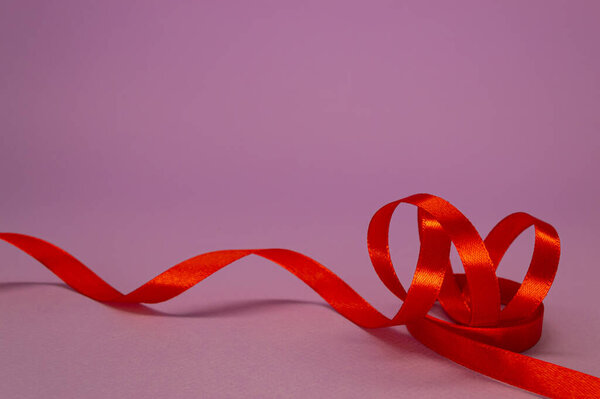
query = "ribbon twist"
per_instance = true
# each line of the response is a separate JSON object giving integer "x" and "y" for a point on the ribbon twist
{"x": 483, "y": 337}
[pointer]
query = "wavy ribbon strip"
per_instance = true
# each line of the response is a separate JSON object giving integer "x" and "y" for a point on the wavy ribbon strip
{"x": 484, "y": 337}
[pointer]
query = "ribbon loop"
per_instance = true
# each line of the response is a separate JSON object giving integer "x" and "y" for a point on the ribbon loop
{"x": 543, "y": 266}
{"x": 438, "y": 218}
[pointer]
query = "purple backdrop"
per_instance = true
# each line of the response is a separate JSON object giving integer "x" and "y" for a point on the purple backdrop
{"x": 138, "y": 134}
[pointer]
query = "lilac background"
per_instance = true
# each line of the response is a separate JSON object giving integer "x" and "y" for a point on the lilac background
{"x": 138, "y": 134}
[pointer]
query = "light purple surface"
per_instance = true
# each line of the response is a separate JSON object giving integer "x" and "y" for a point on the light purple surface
{"x": 138, "y": 134}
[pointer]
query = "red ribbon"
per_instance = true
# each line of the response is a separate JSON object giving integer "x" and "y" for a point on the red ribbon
{"x": 484, "y": 337}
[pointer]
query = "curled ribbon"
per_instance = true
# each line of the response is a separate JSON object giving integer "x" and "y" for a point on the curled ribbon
{"x": 483, "y": 337}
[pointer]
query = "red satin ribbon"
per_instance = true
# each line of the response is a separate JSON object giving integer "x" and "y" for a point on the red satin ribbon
{"x": 483, "y": 337}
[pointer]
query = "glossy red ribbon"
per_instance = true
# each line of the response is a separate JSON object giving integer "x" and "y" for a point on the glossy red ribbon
{"x": 484, "y": 337}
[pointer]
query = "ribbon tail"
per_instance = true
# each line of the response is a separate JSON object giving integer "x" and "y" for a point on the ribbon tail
{"x": 534, "y": 375}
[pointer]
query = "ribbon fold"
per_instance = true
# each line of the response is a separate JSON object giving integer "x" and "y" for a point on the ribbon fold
{"x": 483, "y": 336}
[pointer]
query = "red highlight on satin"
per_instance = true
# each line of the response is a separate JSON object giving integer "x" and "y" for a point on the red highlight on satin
{"x": 483, "y": 337}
